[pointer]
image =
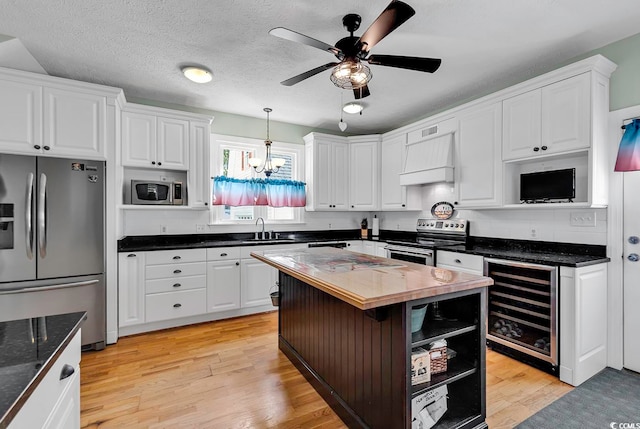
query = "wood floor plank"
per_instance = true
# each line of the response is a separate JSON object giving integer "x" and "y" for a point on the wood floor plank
{"x": 230, "y": 374}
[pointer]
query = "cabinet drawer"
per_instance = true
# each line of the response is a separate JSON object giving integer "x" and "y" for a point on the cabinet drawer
{"x": 465, "y": 261}
{"x": 178, "y": 255}
{"x": 175, "y": 270}
{"x": 171, "y": 305}
{"x": 175, "y": 284}
{"x": 222, "y": 253}
{"x": 42, "y": 401}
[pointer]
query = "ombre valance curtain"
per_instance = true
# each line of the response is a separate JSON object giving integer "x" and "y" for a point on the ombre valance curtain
{"x": 228, "y": 191}
{"x": 629, "y": 151}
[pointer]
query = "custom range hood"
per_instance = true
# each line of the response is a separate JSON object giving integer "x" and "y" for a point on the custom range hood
{"x": 429, "y": 155}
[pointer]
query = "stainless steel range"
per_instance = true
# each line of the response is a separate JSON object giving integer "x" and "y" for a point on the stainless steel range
{"x": 432, "y": 234}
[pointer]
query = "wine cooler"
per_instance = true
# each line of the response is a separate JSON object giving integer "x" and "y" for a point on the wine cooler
{"x": 522, "y": 313}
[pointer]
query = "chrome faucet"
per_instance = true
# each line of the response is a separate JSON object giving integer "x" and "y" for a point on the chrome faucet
{"x": 256, "y": 233}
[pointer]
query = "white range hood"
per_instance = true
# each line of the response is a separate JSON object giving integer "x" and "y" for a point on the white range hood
{"x": 430, "y": 160}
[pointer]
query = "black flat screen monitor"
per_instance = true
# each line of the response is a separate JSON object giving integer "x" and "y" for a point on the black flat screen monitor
{"x": 548, "y": 185}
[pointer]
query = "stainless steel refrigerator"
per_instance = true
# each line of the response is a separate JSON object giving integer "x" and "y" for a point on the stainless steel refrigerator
{"x": 52, "y": 240}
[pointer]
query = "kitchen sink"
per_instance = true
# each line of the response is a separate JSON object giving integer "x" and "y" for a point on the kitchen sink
{"x": 267, "y": 241}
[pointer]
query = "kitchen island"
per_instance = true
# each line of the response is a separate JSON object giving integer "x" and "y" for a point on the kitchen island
{"x": 345, "y": 322}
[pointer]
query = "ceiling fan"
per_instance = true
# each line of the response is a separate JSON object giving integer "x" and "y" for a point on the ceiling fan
{"x": 352, "y": 51}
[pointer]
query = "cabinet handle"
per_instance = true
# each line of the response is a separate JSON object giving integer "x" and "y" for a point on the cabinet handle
{"x": 352, "y": 206}
{"x": 223, "y": 254}
{"x": 177, "y": 305}
{"x": 177, "y": 285}
{"x": 404, "y": 205}
{"x": 131, "y": 255}
{"x": 543, "y": 148}
{"x": 535, "y": 149}
{"x": 177, "y": 257}
{"x": 177, "y": 271}
{"x": 457, "y": 261}
{"x": 206, "y": 204}
{"x": 36, "y": 146}
{"x": 67, "y": 371}
{"x": 237, "y": 263}
{"x": 46, "y": 148}
{"x": 153, "y": 163}
{"x": 159, "y": 163}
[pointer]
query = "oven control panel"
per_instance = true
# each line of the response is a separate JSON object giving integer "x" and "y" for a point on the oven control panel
{"x": 449, "y": 225}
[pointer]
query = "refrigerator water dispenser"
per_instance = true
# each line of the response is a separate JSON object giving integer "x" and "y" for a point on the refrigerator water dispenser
{"x": 6, "y": 226}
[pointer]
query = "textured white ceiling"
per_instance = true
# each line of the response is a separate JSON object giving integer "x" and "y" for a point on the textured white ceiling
{"x": 139, "y": 45}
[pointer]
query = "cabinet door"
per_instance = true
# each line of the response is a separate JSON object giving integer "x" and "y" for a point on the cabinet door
{"x": 478, "y": 163}
{"x": 66, "y": 413}
{"x": 322, "y": 182}
{"x": 339, "y": 174}
{"x": 223, "y": 285}
{"x": 369, "y": 247}
{"x": 138, "y": 140}
{"x": 392, "y": 195}
{"x": 198, "y": 191}
{"x": 257, "y": 280}
{"x": 566, "y": 114}
{"x": 173, "y": 143}
{"x": 20, "y": 118}
{"x": 355, "y": 246}
{"x": 131, "y": 284}
{"x": 380, "y": 249}
{"x": 522, "y": 117}
{"x": 74, "y": 124}
{"x": 363, "y": 176}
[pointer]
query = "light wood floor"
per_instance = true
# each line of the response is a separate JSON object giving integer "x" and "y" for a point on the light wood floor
{"x": 230, "y": 374}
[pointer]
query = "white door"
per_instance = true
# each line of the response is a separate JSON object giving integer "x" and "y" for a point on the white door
{"x": 631, "y": 271}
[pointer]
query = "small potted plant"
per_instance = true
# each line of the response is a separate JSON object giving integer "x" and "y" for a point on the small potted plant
{"x": 363, "y": 228}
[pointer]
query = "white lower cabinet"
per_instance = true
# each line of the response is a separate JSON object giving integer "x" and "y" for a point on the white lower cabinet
{"x": 466, "y": 263}
{"x": 55, "y": 403}
{"x": 131, "y": 267}
{"x": 172, "y": 305}
{"x": 257, "y": 279}
{"x": 223, "y": 279}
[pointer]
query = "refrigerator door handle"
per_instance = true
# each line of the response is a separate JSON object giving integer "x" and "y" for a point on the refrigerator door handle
{"x": 50, "y": 287}
{"x": 42, "y": 216}
{"x": 28, "y": 220}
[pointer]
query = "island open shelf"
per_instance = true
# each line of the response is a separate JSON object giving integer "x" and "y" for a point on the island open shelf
{"x": 348, "y": 332}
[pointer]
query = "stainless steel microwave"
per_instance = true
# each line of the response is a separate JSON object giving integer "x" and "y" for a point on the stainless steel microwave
{"x": 157, "y": 193}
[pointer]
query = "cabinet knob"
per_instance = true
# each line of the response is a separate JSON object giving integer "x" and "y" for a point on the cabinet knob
{"x": 223, "y": 254}
{"x": 633, "y": 257}
{"x": 177, "y": 305}
{"x": 177, "y": 271}
{"x": 177, "y": 257}
{"x": 36, "y": 146}
{"x": 131, "y": 255}
{"x": 206, "y": 204}
{"x": 237, "y": 263}
{"x": 536, "y": 149}
{"x": 352, "y": 206}
{"x": 543, "y": 148}
{"x": 457, "y": 261}
{"x": 153, "y": 163}
{"x": 159, "y": 163}
{"x": 177, "y": 285}
{"x": 404, "y": 205}
{"x": 67, "y": 371}
{"x": 46, "y": 148}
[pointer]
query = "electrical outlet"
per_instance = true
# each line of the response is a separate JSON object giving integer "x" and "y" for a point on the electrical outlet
{"x": 163, "y": 229}
{"x": 583, "y": 218}
{"x": 163, "y": 179}
{"x": 534, "y": 233}
{"x": 199, "y": 228}
{"x": 329, "y": 226}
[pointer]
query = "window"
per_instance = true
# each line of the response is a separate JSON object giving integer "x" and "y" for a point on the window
{"x": 230, "y": 157}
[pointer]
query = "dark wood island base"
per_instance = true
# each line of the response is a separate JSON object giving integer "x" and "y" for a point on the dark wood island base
{"x": 345, "y": 323}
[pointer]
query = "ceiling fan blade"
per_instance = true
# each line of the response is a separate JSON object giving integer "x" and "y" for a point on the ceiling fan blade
{"x": 293, "y": 36}
{"x": 396, "y": 14}
{"x": 428, "y": 65}
{"x": 361, "y": 92}
{"x": 307, "y": 74}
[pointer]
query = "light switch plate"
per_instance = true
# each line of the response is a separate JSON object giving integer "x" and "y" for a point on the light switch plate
{"x": 583, "y": 218}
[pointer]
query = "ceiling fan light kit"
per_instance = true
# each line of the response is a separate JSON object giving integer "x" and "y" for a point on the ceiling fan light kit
{"x": 197, "y": 74}
{"x": 351, "y": 51}
{"x": 352, "y": 108}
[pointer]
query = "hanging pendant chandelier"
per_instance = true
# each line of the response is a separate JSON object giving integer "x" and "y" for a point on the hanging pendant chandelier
{"x": 271, "y": 165}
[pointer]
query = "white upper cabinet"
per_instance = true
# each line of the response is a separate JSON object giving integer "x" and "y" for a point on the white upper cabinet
{"x": 43, "y": 115}
{"x": 394, "y": 196}
{"x": 199, "y": 183}
{"x": 478, "y": 167}
{"x": 153, "y": 141}
{"x": 553, "y": 119}
{"x": 327, "y": 172}
{"x": 364, "y": 168}
{"x": 20, "y": 117}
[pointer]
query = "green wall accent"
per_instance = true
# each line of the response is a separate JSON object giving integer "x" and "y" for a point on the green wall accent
{"x": 624, "y": 92}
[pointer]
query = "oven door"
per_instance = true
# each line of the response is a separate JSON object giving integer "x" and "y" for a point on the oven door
{"x": 410, "y": 254}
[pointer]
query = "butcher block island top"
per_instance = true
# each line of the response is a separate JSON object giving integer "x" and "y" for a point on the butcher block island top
{"x": 367, "y": 281}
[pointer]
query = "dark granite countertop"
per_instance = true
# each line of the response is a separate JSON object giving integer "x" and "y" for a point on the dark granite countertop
{"x": 28, "y": 348}
{"x": 537, "y": 252}
{"x": 195, "y": 241}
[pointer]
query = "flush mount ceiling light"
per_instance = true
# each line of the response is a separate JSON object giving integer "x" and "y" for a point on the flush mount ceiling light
{"x": 197, "y": 74}
{"x": 271, "y": 165}
{"x": 352, "y": 108}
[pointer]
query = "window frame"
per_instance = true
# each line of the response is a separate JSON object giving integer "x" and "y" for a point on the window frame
{"x": 220, "y": 142}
